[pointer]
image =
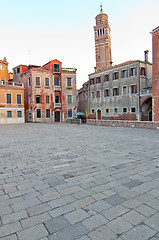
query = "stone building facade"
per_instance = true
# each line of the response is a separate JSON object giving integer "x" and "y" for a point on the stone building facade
{"x": 155, "y": 70}
{"x": 122, "y": 92}
{"x": 83, "y": 96}
{"x": 45, "y": 90}
{"x": 69, "y": 92}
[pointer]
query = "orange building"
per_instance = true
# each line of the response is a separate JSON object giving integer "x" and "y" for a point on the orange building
{"x": 4, "y": 75}
{"x": 11, "y": 97}
{"x": 155, "y": 73}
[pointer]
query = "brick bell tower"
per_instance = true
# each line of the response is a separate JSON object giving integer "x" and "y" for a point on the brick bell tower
{"x": 102, "y": 42}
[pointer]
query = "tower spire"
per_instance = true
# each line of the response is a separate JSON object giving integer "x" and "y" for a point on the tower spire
{"x": 101, "y": 10}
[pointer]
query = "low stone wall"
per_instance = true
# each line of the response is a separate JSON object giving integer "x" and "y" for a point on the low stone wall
{"x": 122, "y": 123}
{"x": 12, "y": 120}
{"x": 73, "y": 121}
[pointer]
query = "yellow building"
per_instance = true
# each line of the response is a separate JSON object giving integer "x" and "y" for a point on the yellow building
{"x": 11, "y": 97}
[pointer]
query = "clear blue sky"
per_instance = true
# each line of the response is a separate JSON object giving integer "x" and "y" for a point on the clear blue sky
{"x": 64, "y": 30}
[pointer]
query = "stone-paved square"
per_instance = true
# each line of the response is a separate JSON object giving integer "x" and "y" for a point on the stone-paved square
{"x": 67, "y": 182}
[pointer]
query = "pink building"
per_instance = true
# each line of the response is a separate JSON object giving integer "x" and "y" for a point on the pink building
{"x": 46, "y": 91}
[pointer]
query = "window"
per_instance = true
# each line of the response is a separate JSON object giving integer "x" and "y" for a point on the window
{"x": 56, "y": 67}
{"x": 9, "y": 114}
{"x": 103, "y": 31}
{"x": 115, "y": 91}
{"x": 19, "y": 99}
{"x": 69, "y": 99}
{"x": 92, "y": 110}
{"x": 125, "y": 110}
{"x": 133, "y": 109}
{"x": 56, "y": 81}
{"x": 69, "y": 82}
{"x": 37, "y": 81}
{"x": 69, "y": 112}
{"x": 18, "y": 70}
{"x": 142, "y": 71}
{"x": 86, "y": 96}
{"x": 124, "y": 74}
{"x": 115, "y": 110}
{"x": 47, "y": 113}
{"x": 2, "y": 82}
{"x": 98, "y": 32}
{"x": 124, "y": 90}
{"x": 2, "y": 66}
{"x": 106, "y": 93}
{"x": 29, "y": 99}
{"x": 57, "y": 99}
{"x": 29, "y": 83}
{"x": 92, "y": 81}
{"x": 98, "y": 94}
{"x": 133, "y": 89}
{"x": 38, "y": 113}
{"x": 106, "y": 78}
{"x": 14, "y": 72}
{"x": 47, "y": 82}
{"x": 132, "y": 72}
{"x": 115, "y": 75}
{"x": 107, "y": 110}
{"x": 38, "y": 99}
{"x": 9, "y": 98}
{"x": 92, "y": 95}
{"x": 98, "y": 80}
{"x": 47, "y": 99}
{"x": 19, "y": 114}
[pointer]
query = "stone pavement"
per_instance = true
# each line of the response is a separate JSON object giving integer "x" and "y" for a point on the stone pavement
{"x": 66, "y": 182}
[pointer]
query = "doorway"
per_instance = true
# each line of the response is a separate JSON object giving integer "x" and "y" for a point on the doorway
{"x": 57, "y": 116}
{"x": 150, "y": 115}
{"x": 99, "y": 115}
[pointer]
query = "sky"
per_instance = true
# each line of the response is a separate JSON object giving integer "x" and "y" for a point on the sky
{"x": 37, "y": 31}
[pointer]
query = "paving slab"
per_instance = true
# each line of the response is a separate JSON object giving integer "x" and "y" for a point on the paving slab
{"x": 140, "y": 232}
{"x": 56, "y": 224}
{"x": 64, "y": 181}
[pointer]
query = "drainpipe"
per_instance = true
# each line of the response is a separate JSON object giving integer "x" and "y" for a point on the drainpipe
{"x": 139, "y": 110}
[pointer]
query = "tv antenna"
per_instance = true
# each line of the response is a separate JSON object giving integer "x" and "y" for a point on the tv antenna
{"x": 29, "y": 53}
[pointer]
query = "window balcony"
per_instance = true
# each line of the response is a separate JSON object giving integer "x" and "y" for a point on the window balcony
{"x": 57, "y": 105}
{"x": 57, "y": 88}
{"x": 11, "y": 84}
{"x": 147, "y": 91}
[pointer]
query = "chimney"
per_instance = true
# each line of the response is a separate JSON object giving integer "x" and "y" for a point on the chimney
{"x": 146, "y": 55}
